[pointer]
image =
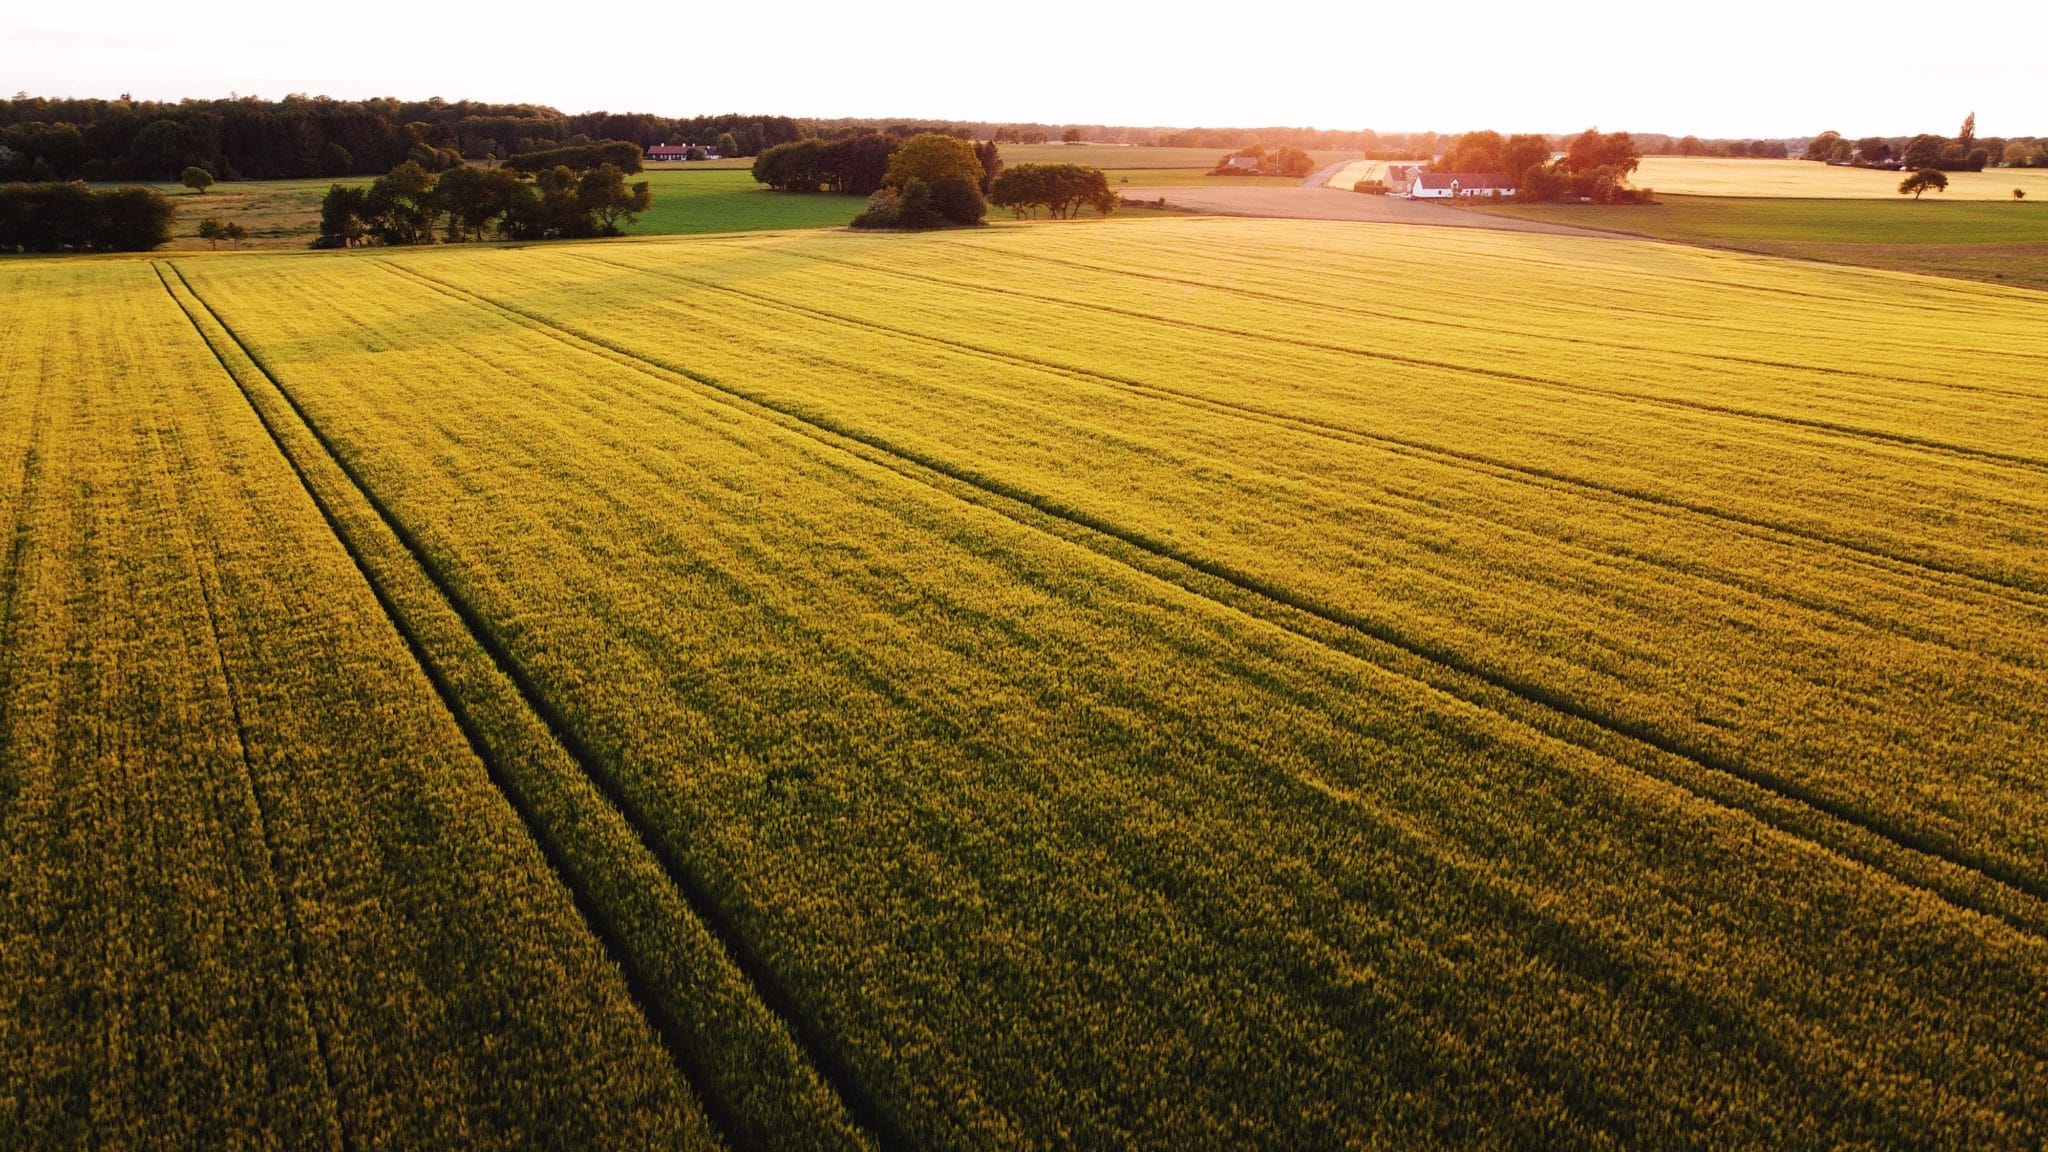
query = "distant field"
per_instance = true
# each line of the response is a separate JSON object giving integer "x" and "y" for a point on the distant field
{"x": 1701, "y": 176}
{"x": 711, "y": 200}
{"x": 713, "y": 196}
{"x": 1159, "y": 683}
{"x": 1978, "y": 240}
{"x": 1360, "y": 170}
{"x": 1117, "y": 157}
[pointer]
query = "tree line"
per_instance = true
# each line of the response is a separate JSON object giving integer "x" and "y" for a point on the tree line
{"x": 303, "y": 136}
{"x": 1593, "y": 165}
{"x": 1927, "y": 152}
{"x": 69, "y": 216}
{"x": 410, "y": 205}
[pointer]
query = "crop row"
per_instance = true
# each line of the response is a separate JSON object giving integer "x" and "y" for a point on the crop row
{"x": 1046, "y": 849}
{"x": 257, "y": 890}
{"x": 1790, "y": 661}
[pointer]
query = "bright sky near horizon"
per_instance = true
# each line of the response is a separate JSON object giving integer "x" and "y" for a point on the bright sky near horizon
{"x": 1739, "y": 68}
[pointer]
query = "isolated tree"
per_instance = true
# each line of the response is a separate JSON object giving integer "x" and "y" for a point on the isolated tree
{"x": 604, "y": 194}
{"x": 214, "y": 231}
{"x": 196, "y": 178}
{"x": 1923, "y": 180}
{"x": 2019, "y": 194}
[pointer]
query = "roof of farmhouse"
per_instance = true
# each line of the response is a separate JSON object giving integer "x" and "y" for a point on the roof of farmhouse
{"x": 1465, "y": 179}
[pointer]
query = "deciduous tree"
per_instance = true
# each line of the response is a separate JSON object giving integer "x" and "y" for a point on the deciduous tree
{"x": 604, "y": 194}
{"x": 196, "y": 178}
{"x": 1923, "y": 180}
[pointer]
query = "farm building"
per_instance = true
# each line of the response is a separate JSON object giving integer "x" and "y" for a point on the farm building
{"x": 681, "y": 152}
{"x": 1246, "y": 163}
{"x": 1400, "y": 177}
{"x": 1447, "y": 185}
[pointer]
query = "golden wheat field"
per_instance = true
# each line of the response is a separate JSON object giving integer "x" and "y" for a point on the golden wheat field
{"x": 1805, "y": 179}
{"x": 1169, "y": 682}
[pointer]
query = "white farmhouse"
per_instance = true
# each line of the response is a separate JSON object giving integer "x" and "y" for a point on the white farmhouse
{"x": 1450, "y": 185}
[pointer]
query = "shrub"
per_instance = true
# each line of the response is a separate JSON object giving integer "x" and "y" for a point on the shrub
{"x": 1371, "y": 187}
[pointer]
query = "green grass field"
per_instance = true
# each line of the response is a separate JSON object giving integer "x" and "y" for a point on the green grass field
{"x": 1976, "y": 240}
{"x": 1164, "y": 682}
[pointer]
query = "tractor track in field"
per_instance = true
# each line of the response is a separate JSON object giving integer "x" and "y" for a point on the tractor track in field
{"x": 1849, "y": 431}
{"x": 1500, "y": 468}
{"x": 1781, "y": 804}
{"x": 261, "y": 810}
{"x": 17, "y": 553}
{"x": 1461, "y": 326}
{"x": 695, "y": 894}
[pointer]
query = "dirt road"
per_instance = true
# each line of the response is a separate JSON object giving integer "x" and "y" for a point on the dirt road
{"x": 1310, "y": 203}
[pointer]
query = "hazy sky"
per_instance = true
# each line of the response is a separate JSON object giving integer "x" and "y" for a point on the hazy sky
{"x": 1736, "y": 68}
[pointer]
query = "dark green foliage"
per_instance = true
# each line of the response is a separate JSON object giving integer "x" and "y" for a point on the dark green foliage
{"x": 56, "y": 217}
{"x": 402, "y": 206}
{"x": 991, "y": 164}
{"x": 604, "y": 196}
{"x": 344, "y": 217}
{"x": 408, "y": 205}
{"x": 624, "y": 155}
{"x": 215, "y": 230}
{"x": 907, "y": 207}
{"x": 1922, "y": 181}
{"x": 796, "y": 166}
{"x": 433, "y": 159}
{"x": 958, "y": 199}
{"x": 475, "y": 198}
{"x": 856, "y": 165}
{"x": 1061, "y": 189}
{"x": 197, "y": 179}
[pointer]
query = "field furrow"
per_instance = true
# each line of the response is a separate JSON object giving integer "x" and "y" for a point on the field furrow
{"x": 1681, "y": 639}
{"x": 1903, "y": 851}
{"x": 1051, "y": 850}
{"x": 257, "y": 891}
{"x": 754, "y": 1078}
{"x": 1890, "y": 496}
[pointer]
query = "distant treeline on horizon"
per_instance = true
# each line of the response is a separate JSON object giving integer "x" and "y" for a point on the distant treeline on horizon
{"x": 247, "y": 138}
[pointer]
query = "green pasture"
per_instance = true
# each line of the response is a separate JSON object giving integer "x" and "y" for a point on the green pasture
{"x": 2003, "y": 242}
